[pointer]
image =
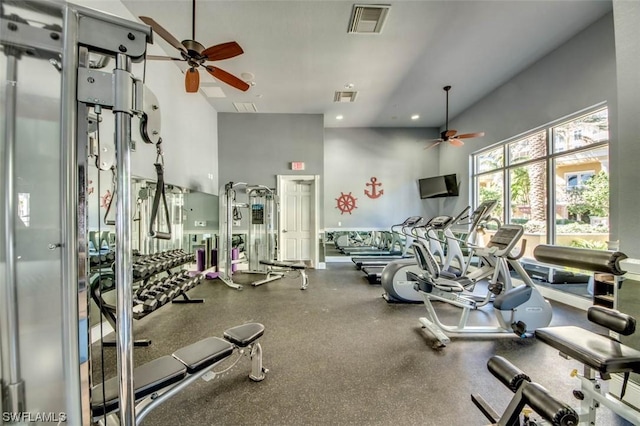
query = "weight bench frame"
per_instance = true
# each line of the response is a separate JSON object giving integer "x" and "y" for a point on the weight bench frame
{"x": 526, "y": 393}
{"x": 601, "y": 354}
{"x": 277, "y": 270}
{"x": 242, "y": 340}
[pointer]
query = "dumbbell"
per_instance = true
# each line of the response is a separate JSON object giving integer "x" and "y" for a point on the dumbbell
{"x": 155, "y": 293}
{"x": 148, "y": 305}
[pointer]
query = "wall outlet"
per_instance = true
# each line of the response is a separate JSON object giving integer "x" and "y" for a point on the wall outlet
{"x": 201, "y": 223}
{"x": 339, "y": 223}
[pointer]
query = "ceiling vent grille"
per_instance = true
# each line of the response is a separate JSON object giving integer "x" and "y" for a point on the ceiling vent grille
{"x": 368, "y": 18}
{"x": 245, "y": 107}
{"x": 348, "y": 96}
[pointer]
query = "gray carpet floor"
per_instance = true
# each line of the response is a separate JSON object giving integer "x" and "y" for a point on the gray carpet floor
{"x": 338, "y": 354}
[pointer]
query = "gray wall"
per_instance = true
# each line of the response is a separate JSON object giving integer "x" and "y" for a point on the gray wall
{"x": 254, "y": 148}
{"x": 395, "y": 157}
{"x": 627, "y": 34}
{"x": 577, "y": 75}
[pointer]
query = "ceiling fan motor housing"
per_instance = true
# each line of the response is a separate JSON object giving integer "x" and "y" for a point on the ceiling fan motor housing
{"x": 194, "y": 49}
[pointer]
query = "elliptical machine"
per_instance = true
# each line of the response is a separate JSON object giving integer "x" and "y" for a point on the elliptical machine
{"x": 399, "y": 287}
{"x": 519, "y": 311}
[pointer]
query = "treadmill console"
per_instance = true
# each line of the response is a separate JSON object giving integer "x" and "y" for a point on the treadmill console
{"x": 440, "y": 222}
{"x": 412, "y": 221}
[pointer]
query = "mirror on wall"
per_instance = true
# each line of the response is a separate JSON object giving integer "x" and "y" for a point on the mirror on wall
{"x": 192, "y": 219}
{"x": 200, "y": 220}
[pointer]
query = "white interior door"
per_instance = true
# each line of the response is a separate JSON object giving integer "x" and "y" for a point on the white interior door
{"x": 296, "y": 220}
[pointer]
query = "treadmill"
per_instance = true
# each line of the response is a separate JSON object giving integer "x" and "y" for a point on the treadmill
{"x": 382, "y": 260}
{"x": 373, "y": 267}
{"x": 383, "y": 247}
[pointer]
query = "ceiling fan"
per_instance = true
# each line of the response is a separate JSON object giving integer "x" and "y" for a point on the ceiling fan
{"x": 450, "y": 135}
{"x": 195, "y": 55}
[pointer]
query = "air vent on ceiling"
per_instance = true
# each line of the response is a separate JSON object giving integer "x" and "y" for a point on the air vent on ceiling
{"x": 347, "y": 96}
{"x": 245, "y": 107}
{"x": 368, "y": 18}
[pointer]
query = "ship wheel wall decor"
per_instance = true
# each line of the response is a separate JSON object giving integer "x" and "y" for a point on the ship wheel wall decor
{"x": 346, "y": 203}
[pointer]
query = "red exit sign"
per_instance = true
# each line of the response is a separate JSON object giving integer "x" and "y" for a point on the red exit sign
{"x": 297, "y": 165}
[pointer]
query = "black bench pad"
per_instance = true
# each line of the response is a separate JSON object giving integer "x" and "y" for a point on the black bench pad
{"x": 203, "y": 354}
{"x": 243, "y": 335}
{"x": 283, "y": 264}
{"x": 147, "y": 379}
{"x": 597, "y": 351}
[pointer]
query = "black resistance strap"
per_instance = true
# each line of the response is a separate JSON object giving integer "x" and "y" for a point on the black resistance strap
{"x": 160, "y": 193}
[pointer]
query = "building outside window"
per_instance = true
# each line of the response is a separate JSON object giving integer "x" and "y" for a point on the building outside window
{"x": 553, "y": 180}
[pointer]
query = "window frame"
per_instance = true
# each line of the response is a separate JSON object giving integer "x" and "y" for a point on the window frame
{"x": 549, "y": 159}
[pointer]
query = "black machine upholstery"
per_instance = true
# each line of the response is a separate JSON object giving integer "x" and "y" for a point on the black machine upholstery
{"x": 510, "y": 375}
{"x": 278, "y": 264}
{"x": 526, "y": 393}
{"x": 243, "y": 335}
{"x": 543, "y": 403}
{"x": 612, "y": 319}
{"x": 602, "y": 353}
{"x": 203, "y": 354}
{"x": 147, "y": 379}
{"x": 169, "y": 370}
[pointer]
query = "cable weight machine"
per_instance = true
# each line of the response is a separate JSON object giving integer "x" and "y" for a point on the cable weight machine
{"x": 261, "y": 232}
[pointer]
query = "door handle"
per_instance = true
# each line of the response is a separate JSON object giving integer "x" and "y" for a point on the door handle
{"x": 284, "y": 230}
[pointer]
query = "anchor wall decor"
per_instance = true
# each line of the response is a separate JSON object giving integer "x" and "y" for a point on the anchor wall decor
{"x": 374, "y": 191}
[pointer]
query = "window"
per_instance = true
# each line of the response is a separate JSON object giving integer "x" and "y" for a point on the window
{"x": 577, "y": 180}
{"x": 554, "y": 181}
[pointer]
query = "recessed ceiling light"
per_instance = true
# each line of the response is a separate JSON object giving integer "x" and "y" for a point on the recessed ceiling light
{"x": 415, "y": 116}
{"x": 339, "y": 117}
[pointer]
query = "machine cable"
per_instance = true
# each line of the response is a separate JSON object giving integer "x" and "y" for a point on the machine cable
{"x": 159, "y": 194}
{"x": 98, "y": 110}
{"x": 106, "y": 220}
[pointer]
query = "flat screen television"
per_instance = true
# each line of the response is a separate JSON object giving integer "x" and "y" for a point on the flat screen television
{"x": 438, "y": 186}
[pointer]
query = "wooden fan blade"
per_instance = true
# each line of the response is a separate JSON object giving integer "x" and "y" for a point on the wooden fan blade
{"x": 163, "y": 58}
{"x": 470, "y": 135}
{"x": 450, "y": 133}
{"x": 456, "y": 142}
{"x": 191, "y": 80}
{"x": 225, "y": 77}
{"x": 222, "y": 51}
{"x": 436, "y": 143}
{"x": 166, "y": 35}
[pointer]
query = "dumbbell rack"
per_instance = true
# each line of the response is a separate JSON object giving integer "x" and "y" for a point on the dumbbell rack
{"x": 152, "y": 292}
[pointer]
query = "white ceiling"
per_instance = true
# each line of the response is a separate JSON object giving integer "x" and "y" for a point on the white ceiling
{"x": 300, "y": 52}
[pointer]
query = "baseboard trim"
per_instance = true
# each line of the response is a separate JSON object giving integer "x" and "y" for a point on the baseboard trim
{"x": 566, "y": 298}
{"x": 631, "y": 396}
{"x": 95, "y": 331}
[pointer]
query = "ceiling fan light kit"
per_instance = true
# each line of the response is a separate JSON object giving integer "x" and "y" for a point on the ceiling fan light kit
{"x": 195, "y": 55}
{"x": 450, "y": 135}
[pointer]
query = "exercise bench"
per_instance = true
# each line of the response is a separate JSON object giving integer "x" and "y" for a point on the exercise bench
{"x": 601, "y": 354}
{"x": 164, "y": 377}
{"x": 277, "y": 270}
